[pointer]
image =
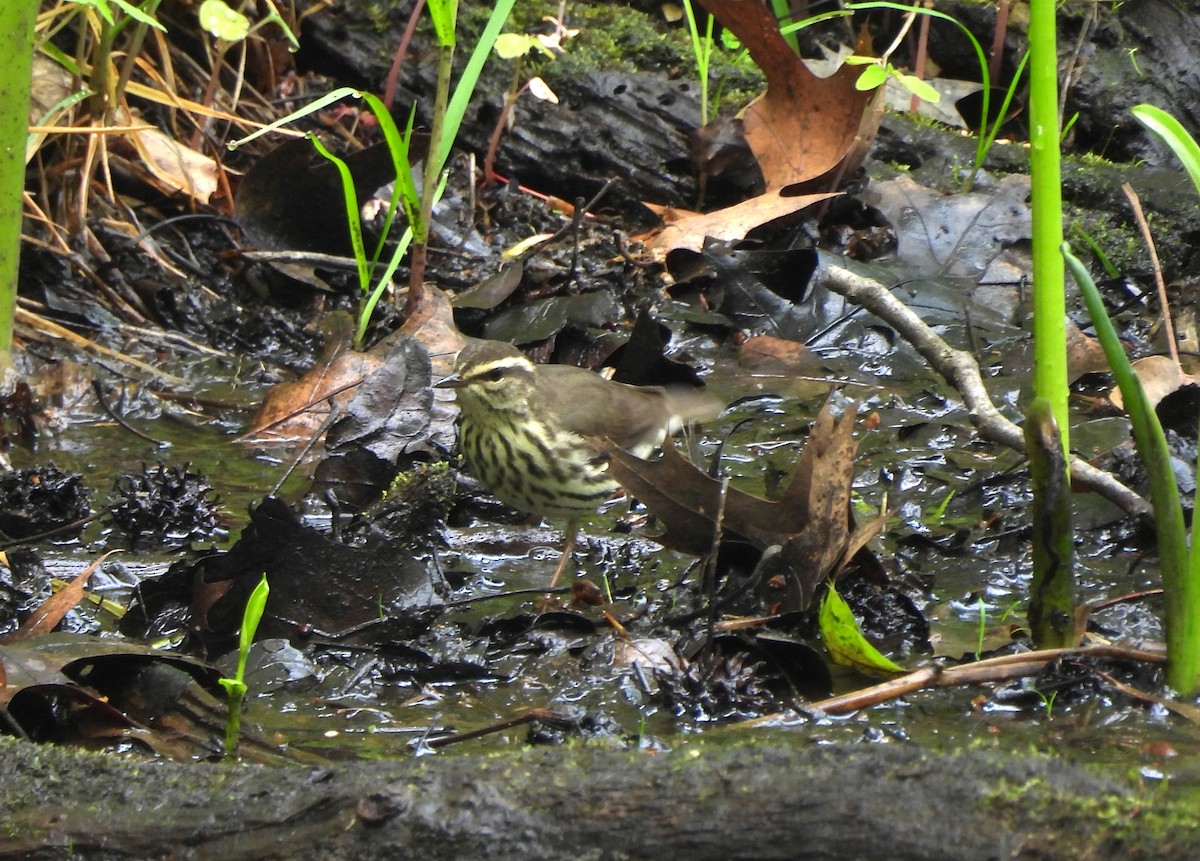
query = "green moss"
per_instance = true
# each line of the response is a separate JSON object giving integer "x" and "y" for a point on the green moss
{"x": 380, "y": 14}
{"x": 1143, "y": 821}
{"x": 1117, "y": 238}
{"x": 614, "y": 37}
{"x": 428, "y": 475}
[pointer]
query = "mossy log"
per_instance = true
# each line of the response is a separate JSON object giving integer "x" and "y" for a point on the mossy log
{"x": 702, "y": 801}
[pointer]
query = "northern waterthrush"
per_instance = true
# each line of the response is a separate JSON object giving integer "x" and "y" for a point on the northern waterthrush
{"x": 525, "y": 429}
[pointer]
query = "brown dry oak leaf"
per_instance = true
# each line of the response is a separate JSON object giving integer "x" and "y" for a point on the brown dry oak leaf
{"x": 810, "y": 522}
{"x": 803, "y": 127}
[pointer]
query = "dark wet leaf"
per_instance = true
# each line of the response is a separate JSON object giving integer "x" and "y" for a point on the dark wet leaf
{"x": 796, "y": 660}
{"x": 545, "y": 318}
{"x": 389, "y": 423}
{"x": 74, "y": 688}
{"x": 491, "y": 291}
{"x": 721, "y": 154}
{"x": 389, "y": 414}
{"x": 642, "y": 360}
{"x": 291, "y": 199}
{"x": 955, "y": 235}
{"x": 759, "y": 291}
{"x": 317, "y": 583}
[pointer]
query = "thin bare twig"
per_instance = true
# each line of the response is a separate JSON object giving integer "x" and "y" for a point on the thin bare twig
{"x": 1159, "y": 284}
{"x": 998, "y": 669}
{"x": 962, "y": 372}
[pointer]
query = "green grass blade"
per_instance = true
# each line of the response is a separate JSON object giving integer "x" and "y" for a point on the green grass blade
{"x": 353, "y": 219}
{"x": 1174, "y": 135}
{"x": 1181, "y": 585}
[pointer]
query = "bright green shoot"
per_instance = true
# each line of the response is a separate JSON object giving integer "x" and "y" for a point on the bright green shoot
{"x": 16, "y": 28}
{"x": 235, "y": 688}
{"x": 877, "y": 72}
{"x": 445, "y": 15}
{"x": 702, "y": 48}
{"x": 230, "y": 25}
{"x": 939, "y": 513}
{"x": 1049, "y": 279}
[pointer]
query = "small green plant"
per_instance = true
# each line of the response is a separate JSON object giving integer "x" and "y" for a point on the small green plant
{"x": 231, "y": 25}
{"x": 1047, "y": 701}
{"x": 235, "y": 687}
{"x": 981, "y": 640}
{"x": 882, "y": 70}
{"x": 877, "y": 71}
{"x": 938, "y": 514}
{"x": 515, "y": 47}
{"x": 418, "y": 205}
{"x": 1067, "y": 126}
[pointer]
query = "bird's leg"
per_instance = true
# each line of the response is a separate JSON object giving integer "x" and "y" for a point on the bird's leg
{"x": 572, "y": 532}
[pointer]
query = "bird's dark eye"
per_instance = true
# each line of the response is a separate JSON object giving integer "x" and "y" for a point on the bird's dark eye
{"x": 494, "y": 375}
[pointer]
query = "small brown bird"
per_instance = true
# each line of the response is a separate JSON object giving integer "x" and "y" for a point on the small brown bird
{"x": 524, "y": 429}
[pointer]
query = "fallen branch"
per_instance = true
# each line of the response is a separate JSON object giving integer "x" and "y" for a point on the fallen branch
{"x": 998, "y": 669}
{"x": 962, "y": 372}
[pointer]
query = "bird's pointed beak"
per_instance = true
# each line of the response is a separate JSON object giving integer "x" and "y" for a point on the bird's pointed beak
{"x": 454, "y": 381}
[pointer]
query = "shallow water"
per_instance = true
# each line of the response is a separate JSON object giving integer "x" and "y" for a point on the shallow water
{"x": 955, "y": 538}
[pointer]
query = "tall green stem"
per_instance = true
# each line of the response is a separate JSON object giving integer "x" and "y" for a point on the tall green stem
{"x": 444, "y": 15}
{"x": 16, "y": 31}
{"x": 1049, "y": 303}
{"x": 1052, "y": 592}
